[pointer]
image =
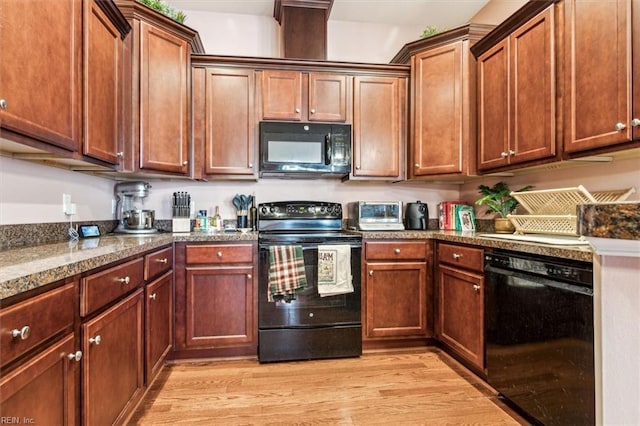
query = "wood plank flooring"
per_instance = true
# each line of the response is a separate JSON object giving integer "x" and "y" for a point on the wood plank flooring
{"x": 423, "y": 387}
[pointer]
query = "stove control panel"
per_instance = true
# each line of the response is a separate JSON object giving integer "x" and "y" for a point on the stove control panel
{"x": 283, "y": 210}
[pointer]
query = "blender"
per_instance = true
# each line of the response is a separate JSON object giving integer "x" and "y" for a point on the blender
{"x": 132, "y": 218}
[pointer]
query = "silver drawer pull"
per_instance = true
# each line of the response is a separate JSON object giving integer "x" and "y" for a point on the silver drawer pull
{"x": 162, "y": 260}
{"x": 249, "y": 276}
{"x": 124, "y": 280}
{"x": 219, "y": 254}
{"x": 456, "y": 256}
{"x": 371, "y": 272}
{"x": 620, "y": 126}
{"x": 77, "y": 356}
{"x": 95, "y": 340}
{"x": 476, "y": 288}
{"x": 153, "y": 296}
{"x": 397, "y": 251}
{"x": 3, "y": 104}
{"x": 23, "y": 333}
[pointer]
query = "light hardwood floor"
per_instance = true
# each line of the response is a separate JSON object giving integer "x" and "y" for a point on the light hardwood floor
{"x": 424, "y": 387}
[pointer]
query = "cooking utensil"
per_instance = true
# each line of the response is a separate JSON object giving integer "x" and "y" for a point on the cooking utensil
{"x": 236, "y": 202}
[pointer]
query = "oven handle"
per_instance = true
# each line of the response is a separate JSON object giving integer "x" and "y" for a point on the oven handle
{"x": 307, "y": 246}
{"x": 540, "y": 280}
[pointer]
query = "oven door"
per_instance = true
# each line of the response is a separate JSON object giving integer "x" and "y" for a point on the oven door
{"x": 309, "y": 309}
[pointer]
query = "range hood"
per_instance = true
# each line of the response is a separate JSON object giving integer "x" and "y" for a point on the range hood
{"x": 303, "y": 28}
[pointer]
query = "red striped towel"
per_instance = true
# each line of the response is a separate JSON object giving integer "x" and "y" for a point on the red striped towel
{"x": 286, "y": 273}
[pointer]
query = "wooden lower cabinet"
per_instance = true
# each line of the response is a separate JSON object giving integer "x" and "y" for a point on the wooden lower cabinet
{"x": 44, "y": 389}
{"x": 396, "y": 292}
{"x": 159, "y": 324}
{"x": 113, "y": 365}
{"x": 216, "y": 305}
{"x": 460, "y": 302}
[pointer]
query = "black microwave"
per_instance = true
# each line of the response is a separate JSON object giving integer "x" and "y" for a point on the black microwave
{"x": 304, "y": 149}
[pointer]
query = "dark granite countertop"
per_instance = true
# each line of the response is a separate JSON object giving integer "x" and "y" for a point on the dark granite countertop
{"x": 27, "y": 268}
{"x": 612, "y": 220}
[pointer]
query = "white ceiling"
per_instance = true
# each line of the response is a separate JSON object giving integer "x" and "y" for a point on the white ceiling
{"x": 442, "y": 14}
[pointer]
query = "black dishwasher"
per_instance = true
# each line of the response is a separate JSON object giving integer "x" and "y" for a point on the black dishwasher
{"x": 539, "y": 336}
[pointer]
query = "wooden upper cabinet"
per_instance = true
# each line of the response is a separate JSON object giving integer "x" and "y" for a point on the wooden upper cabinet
{"x": 437, "y": 133}
{"x": 516, "y": 96}
{"x": 379, "y": 127}
{"x": 598, "y": 80}
{"x": 298, "y": 96}
{"x": 225, "y": 124}
{"x": 40, "y": 71}
{"x": 103, "y": 83}
{"x": 493, "y": 106}
{"x": 164, "y": 114}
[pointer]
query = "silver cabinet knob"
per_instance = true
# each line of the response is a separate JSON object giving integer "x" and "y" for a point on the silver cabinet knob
{"x": 371, "y": 272}
{"x": 219, "y": 254}
{"x": 620, "y": 126}
{"x": 297, "y": 110}
{"x": 125, "y": 280}
{"x": 3, "y": 104}
{"x": 476, "y": 288}
{"x": 512, "y": 152}
{"x": 23, "y": 333}
{"x": 249, "y": 276}
{"x": 77, "y": 356}
{"x": 153, "y": 296}
{"x": 504, "y": 154}
{"x": 120, "y": 154}
{"x": 396, "y": 251}
{"x": 357, "y": 167}
{"x": 95, "y": 340}
{"x": 416, "y": 165}
{"x": 164, "y": 260}
{"x": 313, "y": 110}
{"x": 635, "y": 122}
{"x": 456, "y": 256}
{"x": 251, "y": 165}
{"x": 185, "y": 163}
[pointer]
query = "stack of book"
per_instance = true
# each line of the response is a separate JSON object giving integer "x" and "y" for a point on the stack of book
{"x": 456, "y": 216}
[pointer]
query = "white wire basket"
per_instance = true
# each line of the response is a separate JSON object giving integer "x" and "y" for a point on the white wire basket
{"x": 553, "y": 211}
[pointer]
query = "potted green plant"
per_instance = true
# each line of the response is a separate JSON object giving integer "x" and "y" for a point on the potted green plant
{"x": 498, "y": 200}
{"x": 165, "y": 9}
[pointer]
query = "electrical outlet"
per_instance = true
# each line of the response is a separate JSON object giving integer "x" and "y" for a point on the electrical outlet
{"x": 66, "y": 203}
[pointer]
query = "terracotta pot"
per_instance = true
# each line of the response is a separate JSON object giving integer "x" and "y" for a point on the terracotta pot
{"x": 503, "y": 225}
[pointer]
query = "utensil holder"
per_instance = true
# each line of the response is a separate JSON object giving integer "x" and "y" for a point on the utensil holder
{"x": 242, "y": 221}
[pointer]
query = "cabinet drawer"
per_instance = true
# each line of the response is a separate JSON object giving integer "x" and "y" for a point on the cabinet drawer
{"x": 158, "y": 262}
{"x": 465, "y": 257}
{"x": 35, "y": 320}
{"x": 220, "y": 253}
{"x": 405, "y": 250}
{"x": 99, "y": 289}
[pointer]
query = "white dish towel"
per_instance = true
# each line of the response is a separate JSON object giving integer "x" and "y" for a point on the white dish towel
{"x": 334, "y": 270}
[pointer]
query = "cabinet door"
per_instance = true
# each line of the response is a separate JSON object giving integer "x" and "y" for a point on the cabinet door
{"x": 533, "y": 95}
{"x": 598, "y": 79}
{"x": 44, "y": 390}
{"x": 437, "y": 87}
{"x": 113, "y": 368}
{"x": 159, "y": 323}
{"x": 328, "y": 97}
{"x": 635, "y": 68}
{"x": 164, "y": 134}
{"x": 103, "y": 59}
{"x": 395, "y": 299}
{"x": 379, "y": 126}
{"x": 282, "y": 95}
{"x": 230, "y": 124}
{"x": 461, "y": 313}
{"x": 40, "y": 70}
{"x": 219, "y": 307}
{"x": 493, "y": 107}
